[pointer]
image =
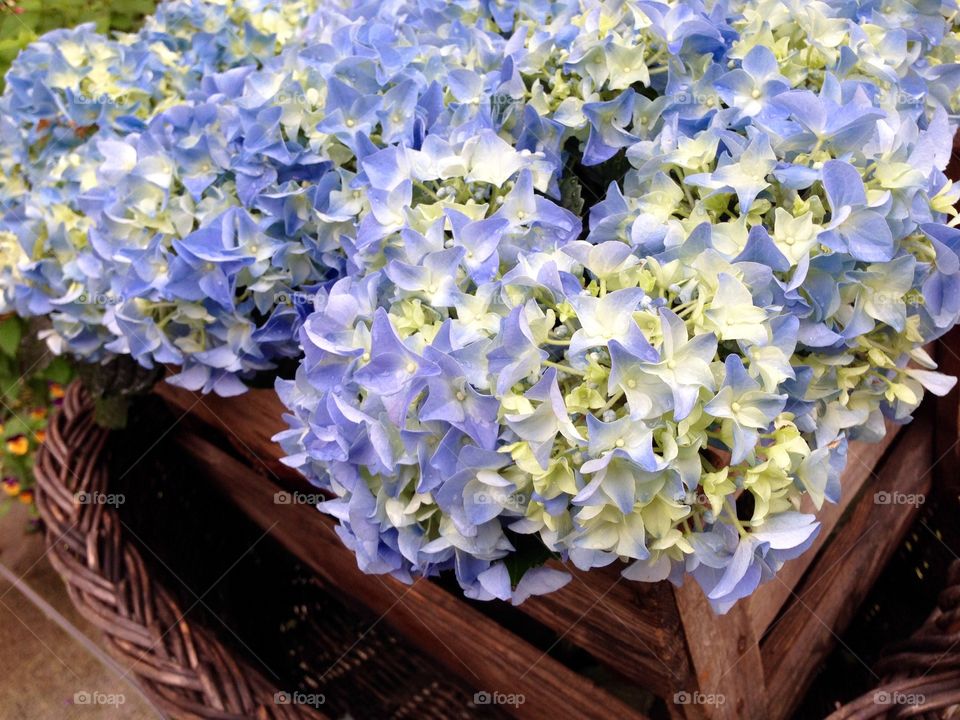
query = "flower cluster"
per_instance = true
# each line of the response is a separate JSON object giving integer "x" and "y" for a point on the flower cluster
{"x": 768, "y": 244}
{"x": 111, "y": 225}
{"x": 595, "y": 280}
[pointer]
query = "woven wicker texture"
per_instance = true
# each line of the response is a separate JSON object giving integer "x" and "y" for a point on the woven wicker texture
{"x": 183, "y": 668}
{"x": 921, "y": 676}
{"x": 312, "y": 640}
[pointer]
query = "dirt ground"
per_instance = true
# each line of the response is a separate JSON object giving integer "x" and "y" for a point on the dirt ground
{"x": 45, "y": 672}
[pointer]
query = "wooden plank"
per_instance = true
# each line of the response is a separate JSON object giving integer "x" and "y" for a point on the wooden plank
{"x": 946, "y": 451}
{"x": 767, "y": 602}
{"x": 726, "y": 655}
{"x": 830, "y": 594}
{"x": 633, "y": 628}
{"x": 248, "y": 422}
{"x": 486, "y": 655}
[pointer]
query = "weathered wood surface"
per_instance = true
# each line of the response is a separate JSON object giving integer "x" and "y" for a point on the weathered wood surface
{"x": 633, "y": 628}
{"x": 486, "y": 655}
{"x": 946, "y": 452}
{"x": 726, "y": 659}
{"x": 827, "y": 599}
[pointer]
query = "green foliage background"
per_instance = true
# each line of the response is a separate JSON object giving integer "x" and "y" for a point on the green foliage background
{"x": 23, "y": 21}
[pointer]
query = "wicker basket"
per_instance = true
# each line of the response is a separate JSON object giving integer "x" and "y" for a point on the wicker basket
{"x": 921, "y": 675}
{"x": 181, "y": 665}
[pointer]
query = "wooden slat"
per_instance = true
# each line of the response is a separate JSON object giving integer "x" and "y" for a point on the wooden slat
{"x": 460, "y": 638}
{"x": 248, "y": 422}
{"x": 634, "y": 628}
{"x": 830, "y": 594}
{"x": 946, "y": 451}
{"x": 767, "y": 602}
{"x": 726, "y": 656}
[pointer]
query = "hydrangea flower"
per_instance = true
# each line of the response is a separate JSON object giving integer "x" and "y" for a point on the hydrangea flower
{"x": 598, "y": 280}
{"x": 743, "y": 302}
{"x": 74, "y": 102}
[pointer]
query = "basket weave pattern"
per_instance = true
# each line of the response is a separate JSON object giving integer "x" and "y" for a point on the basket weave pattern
{"x": 185, "y": 670}
{"x": 921, "y": 675}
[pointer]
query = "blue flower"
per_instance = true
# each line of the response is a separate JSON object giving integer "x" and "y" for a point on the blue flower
{"x": 741, "y": 401}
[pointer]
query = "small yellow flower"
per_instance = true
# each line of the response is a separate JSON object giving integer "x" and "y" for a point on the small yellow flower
{"x": 18, "y": 445}
{"x": 41, "y": 435}
{"x": 38, "y": 413}
{"x": 26, "y": 497}
{"x": 11, "y": 487}
{"x": 56, "y": 391}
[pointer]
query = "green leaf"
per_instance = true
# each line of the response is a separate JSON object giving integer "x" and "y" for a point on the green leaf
{"x": 59, "y": 371}
{"x": 530, "y": 553}
{"x": 10, "y": 331}
{"x": 111, "y": 412}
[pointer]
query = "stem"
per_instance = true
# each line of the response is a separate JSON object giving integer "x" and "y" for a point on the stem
{"x": 728, "y": 506}
{"x": 613, "y": 401}
{"x": 688, "y": 195}
{"x": 564, "y": 368}
{"x": 419, "y": 185}
{"x": 698, "y": 522}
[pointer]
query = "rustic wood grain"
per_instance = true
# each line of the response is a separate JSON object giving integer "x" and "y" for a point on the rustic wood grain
{"x": 247, "y": 422}
{"x": 767, "y": 602}
{"x": 946, "y": 450}
{"x": 726, "y": 656}
{"x": 633, "y": 628}
{"x": 829, "y": 595}
{"x": 486, "y": 655}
